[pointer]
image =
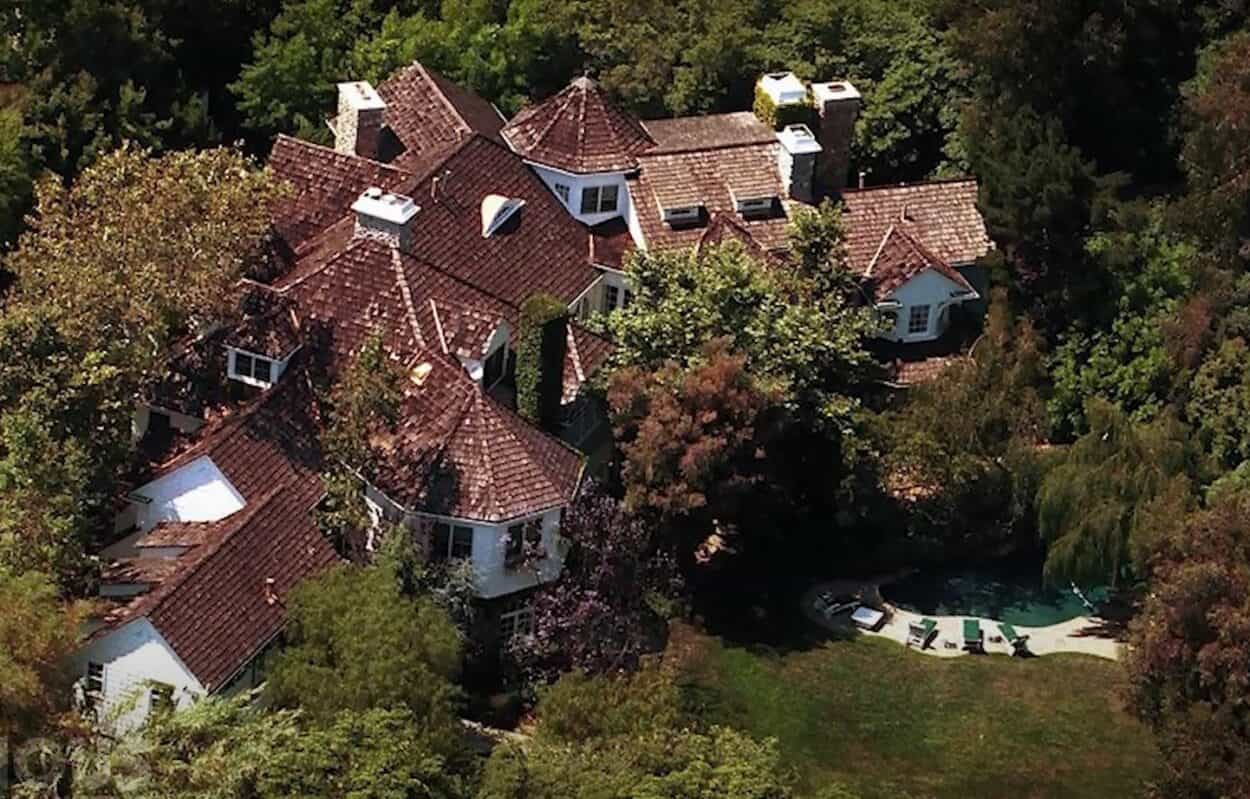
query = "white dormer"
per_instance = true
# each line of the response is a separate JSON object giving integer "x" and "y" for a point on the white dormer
{"x": 260, "y": 371}
{"x": 783, "y": 88}
{"x": 496, "y": 211}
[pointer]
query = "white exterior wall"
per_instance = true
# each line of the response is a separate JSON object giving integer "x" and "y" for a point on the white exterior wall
{"x": 578, "y": 182}
{"x": 927, "y": 288}
{"x": 178, "y": 421}
{"x": 134, "y": 655}
{"x": 493, "y": 578}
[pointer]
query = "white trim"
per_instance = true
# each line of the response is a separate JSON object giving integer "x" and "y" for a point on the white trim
{"x": 579, "y": 175}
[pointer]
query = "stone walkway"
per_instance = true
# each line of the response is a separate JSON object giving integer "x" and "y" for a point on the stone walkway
{"x": 1083, "y": 635}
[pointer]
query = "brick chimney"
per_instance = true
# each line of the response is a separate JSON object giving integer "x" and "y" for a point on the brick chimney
{"x": 385, "y": 216}
{"x": 796, "y": 160}
{"x": 837, "y": 105}
{"x": 358, "y": 127}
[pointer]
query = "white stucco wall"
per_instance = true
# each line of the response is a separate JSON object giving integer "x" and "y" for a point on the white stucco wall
{"x": 577, "y": 183}
{"x": 927, "y": 288}
{"x": 133, "y": 655}
{"x": 196, "y": 492}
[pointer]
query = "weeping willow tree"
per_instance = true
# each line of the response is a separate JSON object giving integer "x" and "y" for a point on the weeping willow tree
{"x": 1122, "y": 485}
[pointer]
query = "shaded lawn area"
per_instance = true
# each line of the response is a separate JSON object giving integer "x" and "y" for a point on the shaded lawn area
{"x": 887, "y": 722}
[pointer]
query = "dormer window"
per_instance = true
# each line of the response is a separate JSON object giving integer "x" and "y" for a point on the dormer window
{"x": 496, "y": 211}
{"x": 255, "y": 370}
{"x": 600, "y": 199}
{"x": 686, "y": 215}
{"x": 754, "y": 207}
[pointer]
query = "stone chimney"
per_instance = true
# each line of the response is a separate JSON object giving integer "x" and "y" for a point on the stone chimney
{"x": 358, "y": 127}
{"x": 385, "y": 216}
{"x": 796, "y": 160}
{"x": 837, "y": 105}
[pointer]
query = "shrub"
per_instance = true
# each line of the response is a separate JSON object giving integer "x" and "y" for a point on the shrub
{"x": 778, "y": 116}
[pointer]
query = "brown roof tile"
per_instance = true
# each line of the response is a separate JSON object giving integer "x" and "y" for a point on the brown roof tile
{"x": 427, "y": 113}
{"x": 707, "y": 132}
{"x": 899, "y": 258}
{"x": 610, "y": 242}
{"x": 941, "y": 214}
{"x": 580, "y": 130}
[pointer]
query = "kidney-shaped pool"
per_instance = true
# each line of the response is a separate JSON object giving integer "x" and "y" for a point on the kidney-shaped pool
{"x": 1012, "y": 594}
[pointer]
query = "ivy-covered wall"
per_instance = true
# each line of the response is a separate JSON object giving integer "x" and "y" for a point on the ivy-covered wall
{"x": 540, "y": 359}
{"x": 778, "y": 116}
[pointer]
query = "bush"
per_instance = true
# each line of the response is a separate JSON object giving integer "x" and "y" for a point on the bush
{"x": 778, "y": 116}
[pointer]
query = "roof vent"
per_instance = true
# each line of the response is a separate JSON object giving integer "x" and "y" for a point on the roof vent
{"x": 421, "y": 372}
{"x": 496, "y": 210}
{"x": 386, "y": 216}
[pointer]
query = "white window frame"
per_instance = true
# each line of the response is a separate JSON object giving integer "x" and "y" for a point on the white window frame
{"x": 160, "y": 696}
{"x": 250, "y": 377}
{"x": 594, "y": 196}
{"x": 916, "y": 314}
{"x": 517, "y": 622}
{"x": 94, "y": 694}
{"x": 562, "y": 191}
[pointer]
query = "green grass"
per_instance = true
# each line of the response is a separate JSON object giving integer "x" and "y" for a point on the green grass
{"x": 887, "y": 722}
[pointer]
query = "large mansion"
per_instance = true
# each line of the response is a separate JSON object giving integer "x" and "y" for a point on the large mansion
{"x": 430, "y": 222}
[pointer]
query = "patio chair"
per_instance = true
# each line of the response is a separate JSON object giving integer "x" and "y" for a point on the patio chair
{"x": 921, "y": 633}
{"x": 974, "y": 639}
{"x": 1019, "y": 643}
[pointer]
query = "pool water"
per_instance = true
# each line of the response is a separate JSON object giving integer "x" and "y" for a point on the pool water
{"x": 1012, "y": 594}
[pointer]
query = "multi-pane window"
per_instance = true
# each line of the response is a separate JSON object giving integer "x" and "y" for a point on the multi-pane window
{"x": 95, "y": 680}
{"x": 629, "y": 297}
{"x": 599, "y": 199}
{"x": 160, "y": 697}
{"x": 516, "y": 622}
{"x": 918, "y": 319}
{"x": 611, "y": 297}
{"x": 453, "y": 541}
{"x": 562, "y": 191}
{"x": 516, "y": 544}
{"x": 496, "y": 363}
{"x": 253, "y": 367}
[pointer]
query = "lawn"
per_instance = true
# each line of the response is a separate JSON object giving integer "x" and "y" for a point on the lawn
{"x": 887, "y": 722}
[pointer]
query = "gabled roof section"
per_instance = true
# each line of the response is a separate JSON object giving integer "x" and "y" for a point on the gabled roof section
{"x": 324, "y": 185}
{"x": 901, "y": 257}
{"x": 460, "y": 453}
{"x": 427, "y": 113}
{"x": 942, "y": 214}
{"x": 579, "y": 130}
{"x": 215, "y": 604}
{"x": 270, "y": 325}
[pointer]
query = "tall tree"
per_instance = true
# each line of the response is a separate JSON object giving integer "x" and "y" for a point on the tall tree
{"x": 1190, "y": 653}
{"x": 389, "y": 651}
{"x": 1120, "y": 488}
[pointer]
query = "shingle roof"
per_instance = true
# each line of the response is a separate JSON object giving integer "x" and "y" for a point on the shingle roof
{"x": 899, "y": 258}
{"x": 708, "y": 175}
{"x": 580, "y": 130}
{"x": 426, "y": 113}
{"x": 610, "y": 242}
{"x": 270, "y": 325}
{"x": 212, "y": 606}
{"x": 941, "y": 214}
{"x": 458, "y": 452}
{"x": 324, "y": 185}
{"x": 706, "y": 132}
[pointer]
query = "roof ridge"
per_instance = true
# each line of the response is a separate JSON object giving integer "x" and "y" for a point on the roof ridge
{"x": 352, "y": 244}
{"x": 873, "y": 263}
{"x": 438, "y": 325}
{"x": 330, "y": 150}
{"x": 455, "y": 112}
{"x": 913, "y": 184}
{"x": 405, "y": 291}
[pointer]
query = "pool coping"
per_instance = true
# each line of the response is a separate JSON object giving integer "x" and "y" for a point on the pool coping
{"x": 1080, "y": 635}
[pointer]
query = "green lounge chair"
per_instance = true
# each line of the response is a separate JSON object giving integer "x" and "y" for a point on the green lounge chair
{"x": 921, "y": 633}
{"x": 974, "y": 640}
{"x": 1019, "y": 643}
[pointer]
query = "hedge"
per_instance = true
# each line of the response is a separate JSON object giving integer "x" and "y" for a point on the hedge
{"x": 540, "y": 359}
{"x": 778, "y": 116}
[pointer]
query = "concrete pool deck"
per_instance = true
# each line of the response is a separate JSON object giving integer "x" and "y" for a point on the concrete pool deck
{"x": 1085, "y": 635}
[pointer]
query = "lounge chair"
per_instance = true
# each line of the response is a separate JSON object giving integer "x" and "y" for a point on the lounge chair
{"x": 974, "y": 639}
{"x": 1019, "y": 643}
{"x": 921, "y": 633}
{"x": 867, "y": 618}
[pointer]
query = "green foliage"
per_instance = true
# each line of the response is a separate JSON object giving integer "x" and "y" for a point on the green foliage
{"x": 637, "y": 748}
{"x": 1122, "y": 486}
{"x": 968, "y": 441}
{"x": 803, "y": 343}
{"x": 16, "y": 187}
{"x": 37, "y": 633}
{"x": 816, "y": 239}
{"x": 230, "y": 749}
{"x": 778, "y": 117}
{"x": 388, "y": 652}
{"x": 1219, "y": 403}
{"x": 1190, "y": 653}
{"x": 540, "y": 359}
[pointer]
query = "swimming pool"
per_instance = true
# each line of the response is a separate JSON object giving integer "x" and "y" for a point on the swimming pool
{"x": 1014, "y": 594}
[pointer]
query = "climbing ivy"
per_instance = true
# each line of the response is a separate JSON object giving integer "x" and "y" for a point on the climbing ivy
{"x": 540, "y": 359}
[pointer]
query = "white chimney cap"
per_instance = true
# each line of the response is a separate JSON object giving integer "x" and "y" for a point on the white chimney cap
{"x": 834, "y": 90}
{"x": 361, "y": 96}
{"x": 394, "y": 208}
{"x": 798, "y": 140}
{"x": 783, "y": 88}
